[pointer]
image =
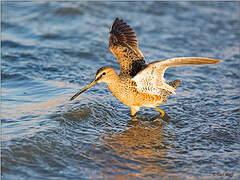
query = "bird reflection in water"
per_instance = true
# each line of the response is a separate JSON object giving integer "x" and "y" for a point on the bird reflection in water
{"x": 139, "y": 151}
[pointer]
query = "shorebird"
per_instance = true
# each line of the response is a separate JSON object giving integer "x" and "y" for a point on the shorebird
{"x": 138, "y": 84}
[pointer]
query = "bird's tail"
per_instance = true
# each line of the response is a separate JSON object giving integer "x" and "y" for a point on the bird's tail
{"x": 189, "y": 61}
{"x": 175, "y": 83}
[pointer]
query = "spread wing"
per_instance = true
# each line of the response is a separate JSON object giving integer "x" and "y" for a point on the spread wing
{"x": 123, "y": 44}
{"x": 151, "y": 79}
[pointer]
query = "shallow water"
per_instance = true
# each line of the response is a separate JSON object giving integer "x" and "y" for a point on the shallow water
{"x": 52, "y": 49}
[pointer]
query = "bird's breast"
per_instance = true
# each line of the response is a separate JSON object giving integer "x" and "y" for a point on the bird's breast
{"x": 127, "y": 93}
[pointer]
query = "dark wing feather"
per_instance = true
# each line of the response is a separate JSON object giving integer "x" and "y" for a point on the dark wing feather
{"x": 120, "y": 32}
{"x": 123, "y": 44}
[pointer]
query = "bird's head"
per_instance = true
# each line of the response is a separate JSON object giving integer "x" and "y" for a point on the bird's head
{"x": 103, "y": 75}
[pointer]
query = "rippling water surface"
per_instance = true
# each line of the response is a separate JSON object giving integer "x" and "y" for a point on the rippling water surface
{"x": 52, "y": 49}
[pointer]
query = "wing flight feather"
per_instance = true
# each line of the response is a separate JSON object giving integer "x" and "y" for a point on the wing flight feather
{"x": 124, "y": 45}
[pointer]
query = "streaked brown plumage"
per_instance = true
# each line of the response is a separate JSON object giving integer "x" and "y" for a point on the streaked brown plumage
{"x": 138, "y": 85}
{"x": 123, "y": 44}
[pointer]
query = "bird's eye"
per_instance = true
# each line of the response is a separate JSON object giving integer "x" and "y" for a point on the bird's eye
{"x": 104, "y": 73}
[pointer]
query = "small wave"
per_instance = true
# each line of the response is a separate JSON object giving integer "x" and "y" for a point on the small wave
{"x": 6, "y": 76}
{"x": 51, "y": 36}
{"x": 68, "y": 11}
{"x": 13, "y": 44}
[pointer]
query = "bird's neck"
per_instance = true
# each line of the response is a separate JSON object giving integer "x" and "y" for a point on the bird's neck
{"x": 114, "y": 82}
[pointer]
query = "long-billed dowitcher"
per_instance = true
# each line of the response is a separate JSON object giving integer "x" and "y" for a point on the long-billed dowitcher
{"x": 138, "y": 85}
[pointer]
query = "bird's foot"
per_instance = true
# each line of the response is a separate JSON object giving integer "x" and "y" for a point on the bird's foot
{"x": 134, "y": 118}
{"x": 164, "y": 116}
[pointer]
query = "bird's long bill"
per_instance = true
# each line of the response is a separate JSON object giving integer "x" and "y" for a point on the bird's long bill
{"x": 84, "y": 89}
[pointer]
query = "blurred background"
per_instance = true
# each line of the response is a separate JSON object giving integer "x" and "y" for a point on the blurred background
{"x": 50, "y": 50}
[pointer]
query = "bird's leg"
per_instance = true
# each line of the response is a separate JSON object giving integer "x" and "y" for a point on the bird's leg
{"x": 133, "y": 110}
{"x": 161, "y": 111}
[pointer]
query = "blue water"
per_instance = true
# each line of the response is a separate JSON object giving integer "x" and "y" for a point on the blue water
{"x": 52, "y": 49}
